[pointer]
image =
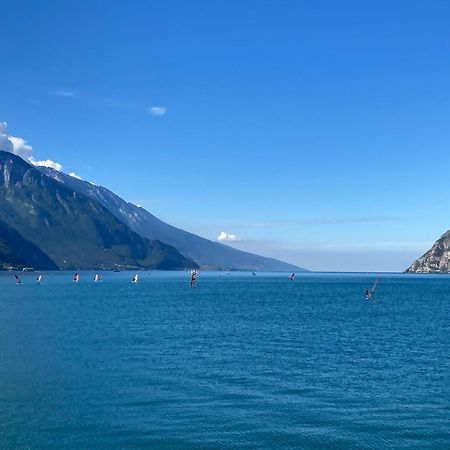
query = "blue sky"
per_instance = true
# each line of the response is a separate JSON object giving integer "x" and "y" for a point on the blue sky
{"x": 314, "y": 131}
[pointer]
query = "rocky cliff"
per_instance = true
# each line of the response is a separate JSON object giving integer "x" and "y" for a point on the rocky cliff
{"x": 435, "y": 260}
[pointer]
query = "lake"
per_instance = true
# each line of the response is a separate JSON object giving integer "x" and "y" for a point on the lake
{"x": 239, "y": 361}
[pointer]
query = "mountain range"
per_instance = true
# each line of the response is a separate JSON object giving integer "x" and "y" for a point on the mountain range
{"x": 77, "y": 224}
{"x": 435, "y": 260}
{"x": 73, "y": 230}
{"x": 208, "y": 254}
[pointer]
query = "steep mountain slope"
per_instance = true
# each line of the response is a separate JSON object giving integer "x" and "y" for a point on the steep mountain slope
{"x": 208, "y": 254}
{"x": 17, "y": 252}
{"x": 437, "y": 259}
{"x": 75, "y": 231}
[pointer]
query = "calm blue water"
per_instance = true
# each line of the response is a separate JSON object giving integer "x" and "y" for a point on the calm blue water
{"x": 237, "y": 362}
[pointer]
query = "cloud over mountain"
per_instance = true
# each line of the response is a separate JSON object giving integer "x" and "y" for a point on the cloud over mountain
{"x": 46, "y": 163}
{"x": 22, "y": 148}
{"x": 226, "y": 237}
{"x": 14, "y": 144}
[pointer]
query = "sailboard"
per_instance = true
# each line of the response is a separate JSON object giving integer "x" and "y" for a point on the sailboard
{"x": 135, "y": 278}
{"x": 369, "y": 292}
{"x": 18, "y": 280}
{"x": 38, "y": 279}
{"x": 76, "y": 278}
{"x": 193, "y": 278}
{"x": 292, "y": 277}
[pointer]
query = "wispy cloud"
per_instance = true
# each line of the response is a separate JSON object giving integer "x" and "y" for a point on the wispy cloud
{"x": 157, "y": 111}
{"x": 375, "y": 246}
{"x": 323, "y": 221}
{"x": 227, "y": 237}
{"x": 351, "y": 256}
{"x": 347, "y": 246}
{"x": 109, "y": 101}
{"x": 65, "y": 93}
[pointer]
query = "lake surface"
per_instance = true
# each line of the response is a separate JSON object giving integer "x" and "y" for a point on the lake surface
{"x": 239, "y": 361}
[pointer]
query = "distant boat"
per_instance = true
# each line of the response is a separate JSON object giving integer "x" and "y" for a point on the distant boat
{"x": 292, "y": 277}
{"x": 38, "y": 279}
{"x": 135, "y": 278}
{"x": 369, "y": 292}
{"x": 193, "y": 278}
{"x": 76, "y": 278}
{"x": 18, "y": 280}
{"x": 97, "y": 278}
{"x": 28, "y": 269}
{"x": 116, "y": 270}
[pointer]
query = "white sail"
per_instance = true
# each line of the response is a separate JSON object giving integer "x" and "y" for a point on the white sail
{"x": 369, "y": 292}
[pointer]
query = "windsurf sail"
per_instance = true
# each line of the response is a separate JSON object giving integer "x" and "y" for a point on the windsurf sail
{"x": 76, "y": 278}
{"x": 18, "y": 280}
{"x": 193, "y": 278}
{"x": 292, "y": 277}
{"x": 369, "y": 292}
{"x": 97, "y": 278}
{"x": 39, "y": 279}
{"x": 135, "y": 278}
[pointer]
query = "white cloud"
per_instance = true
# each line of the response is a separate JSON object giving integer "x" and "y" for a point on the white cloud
{"x": 20, "y": 147}
{"x": 5, "y": 144}
{"x": 14, "y": 144}
{"x": 74, "y": 175}
{"x": 226, "y": 237}
{"x": 157, "y": 111}
{"x": 46, "y": 163}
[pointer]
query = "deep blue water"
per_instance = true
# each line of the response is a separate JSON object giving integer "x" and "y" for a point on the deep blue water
{"x": 236, "y": 362}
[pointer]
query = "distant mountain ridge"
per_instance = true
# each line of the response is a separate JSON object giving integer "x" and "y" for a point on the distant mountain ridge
{"x": 435, "y": 260}
{"x": 208, "y": 254}
{"x": 73, "y": 230}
